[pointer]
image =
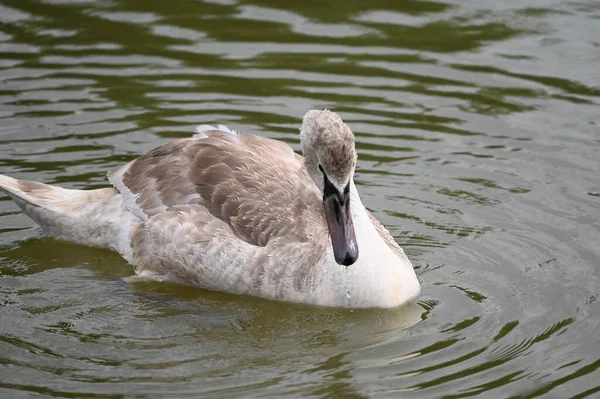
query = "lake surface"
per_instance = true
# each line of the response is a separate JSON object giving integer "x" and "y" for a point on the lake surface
{"x": 478, "y": 132}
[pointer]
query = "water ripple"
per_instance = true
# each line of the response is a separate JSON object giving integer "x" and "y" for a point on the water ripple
{"x": 476, "y": 125}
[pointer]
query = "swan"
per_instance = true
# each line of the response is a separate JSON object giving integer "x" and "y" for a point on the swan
{"x": 239, "y": 213}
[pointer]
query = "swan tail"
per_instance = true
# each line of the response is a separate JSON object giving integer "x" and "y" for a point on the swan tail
{"x": 97, "y": 218}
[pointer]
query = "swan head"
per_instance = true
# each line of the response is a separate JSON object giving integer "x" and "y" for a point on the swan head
{"x": 330, "y": 160}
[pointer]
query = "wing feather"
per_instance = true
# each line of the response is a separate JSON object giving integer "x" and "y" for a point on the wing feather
{"x": 256, "y": 185}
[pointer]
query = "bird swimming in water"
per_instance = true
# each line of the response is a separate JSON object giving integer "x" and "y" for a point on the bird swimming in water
{"x": 239, "y": 213}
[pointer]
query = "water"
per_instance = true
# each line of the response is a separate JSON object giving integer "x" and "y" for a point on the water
{"x": 477, "y": 124}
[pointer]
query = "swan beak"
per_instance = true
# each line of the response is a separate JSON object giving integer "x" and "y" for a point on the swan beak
{"x": 341, "y": 227}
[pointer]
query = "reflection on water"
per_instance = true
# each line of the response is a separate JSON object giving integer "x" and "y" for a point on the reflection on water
{"x": 477, "y": 129}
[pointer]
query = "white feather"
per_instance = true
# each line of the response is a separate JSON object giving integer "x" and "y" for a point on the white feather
{"x": 201, "y": 129}
{"x": 115, "y": 177}
{"x": 225, "y": 129}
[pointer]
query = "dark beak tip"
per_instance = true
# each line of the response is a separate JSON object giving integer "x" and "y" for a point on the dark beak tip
{"x": 348, "y": 259}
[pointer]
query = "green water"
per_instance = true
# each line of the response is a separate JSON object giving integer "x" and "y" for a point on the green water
{"x": 477, "y": 125}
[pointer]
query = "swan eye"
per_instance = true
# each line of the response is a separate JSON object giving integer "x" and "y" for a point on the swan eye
{"x": 321, "y": 169}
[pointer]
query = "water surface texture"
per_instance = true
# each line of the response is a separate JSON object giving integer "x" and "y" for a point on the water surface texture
{"x": 477, "y": 124}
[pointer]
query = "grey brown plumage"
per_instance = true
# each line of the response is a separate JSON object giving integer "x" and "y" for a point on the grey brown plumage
{"x": 239, "y": 213}
{"x": 248, "y": 182}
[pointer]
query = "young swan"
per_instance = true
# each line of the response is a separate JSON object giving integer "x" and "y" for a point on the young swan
{"x": 239, "y": 213}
